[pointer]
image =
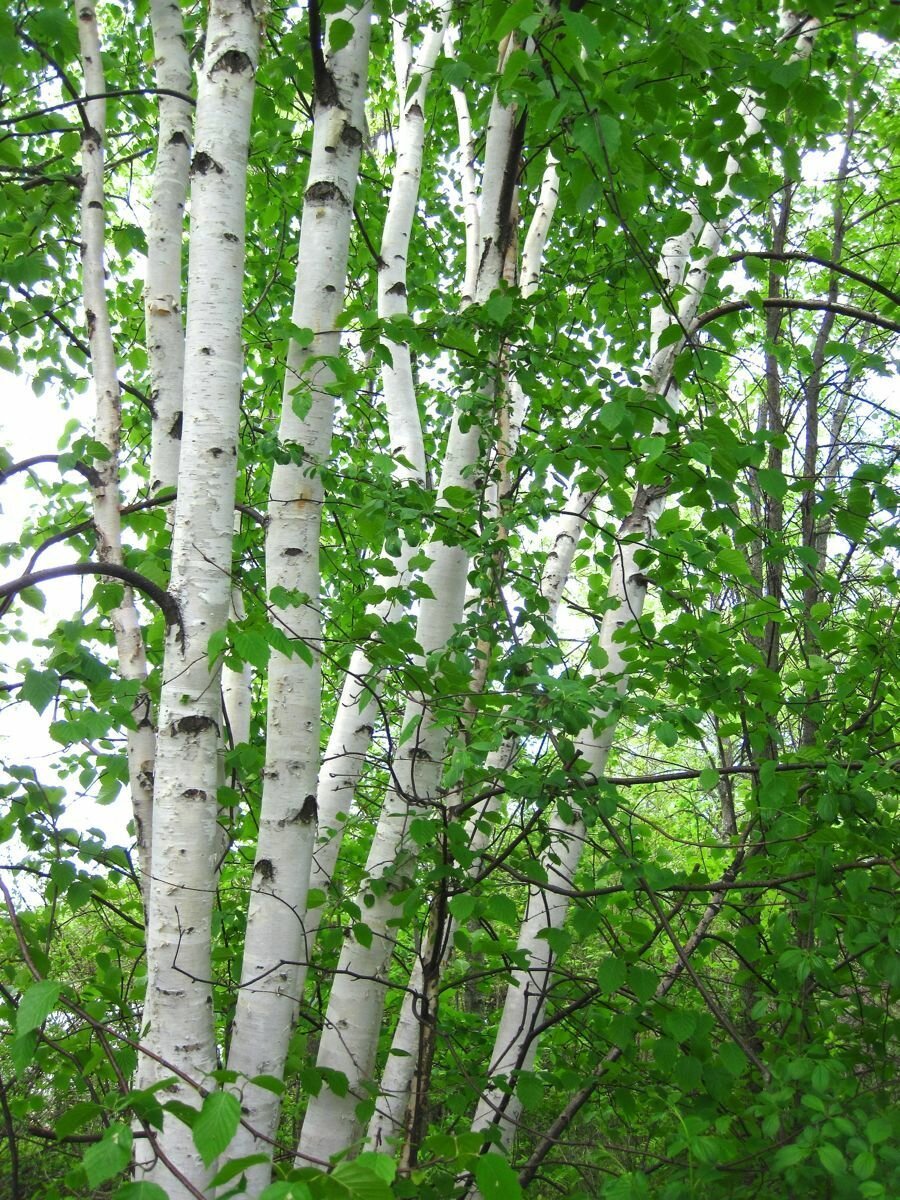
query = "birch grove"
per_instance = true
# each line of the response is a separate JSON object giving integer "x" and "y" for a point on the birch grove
{"x": 481, "y": 532}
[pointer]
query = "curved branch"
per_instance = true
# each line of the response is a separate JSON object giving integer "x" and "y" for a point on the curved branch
{"x": 798, "y": 256}
{"x": 81, "y": 345}
{"x": 842, "y": 310}
{"x": 83, "y": 526}
{"x": 26, "y": 464}
{"x": 168, "y": 604}
{"x": 38, "y": 460}
{"x": 80, "y": 100}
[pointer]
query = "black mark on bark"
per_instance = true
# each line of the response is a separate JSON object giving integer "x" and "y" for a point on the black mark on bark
{"x": 204, "y": 163}
{"x": 195, "y": 724}
{"x": 326, "y": 92}
{"x": 233, "y": 61}
{"x": 324, "y": 192}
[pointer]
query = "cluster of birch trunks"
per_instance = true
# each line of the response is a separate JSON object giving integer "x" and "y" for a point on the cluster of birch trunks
{"x": 195, "y": 366}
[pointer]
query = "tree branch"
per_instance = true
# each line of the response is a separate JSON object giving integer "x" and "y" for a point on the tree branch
{"x": 842, "y": 310}
{"x": 81, "y": 100}
{"x": 797, "y": 256}
{"x": 167, "y": 603}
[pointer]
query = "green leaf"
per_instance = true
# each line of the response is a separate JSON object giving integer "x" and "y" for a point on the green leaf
{"x": 462, "y": 906}
{"x": 666, "y": 732}
{"x": 269, "y": 1083}
{"x": 76, "y": 1116}
{"x": 879, "y": 1129}
{"x": 363, "y": 934}
{"x": 512, "y": 19}
{"x": 851, "y": 524}
{"x": 733, "y": 1059}
{"x": 530, "y": 1091}
{"x": 22, "y": 1051}
{"x": 612, "y": 414}
{"x": 109, "y": 1156}
{"x": 733, "y": 562}
{"x": 216, "y": 1125}
{"x": 498, "y": 307}
{"x": 669, "y": 336}
{"x": 39, "y": 688}
{"x": 34, "y": 598}
{"x": 336, "y": 1081}
{"x": 237, "y": 1166}
{"x": 680, "y": 1023}
{"x": 286, "y": 1191}
{"x": 458, "y": 497}
{"x": 496, "y": 1179}
{"x": 611, "y": 974}
{"x": 503, "y": 909}
{"x": 36, "y": 1005}
{"x": 772, "y": 482}
{"x": 140, "y": 1190}
{"x": 184, "y": 1112}
{"x": 865, "y": 1164}
{"x": 361, "y": 1181}
{"x": 831, "y": 1159}
{"x": 339, "y": 34}
{"x": 381, "y": 1165}
{"x": 611, "y": 133}
{"x": 789, "y": 1156}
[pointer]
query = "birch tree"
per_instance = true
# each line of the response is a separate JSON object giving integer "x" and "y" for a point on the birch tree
{"x": 482, "y": 545}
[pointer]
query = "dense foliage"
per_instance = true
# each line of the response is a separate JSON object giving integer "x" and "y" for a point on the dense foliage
{"x": 719, "y": 1016}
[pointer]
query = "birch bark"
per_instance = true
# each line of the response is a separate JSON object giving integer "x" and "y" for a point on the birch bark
{"x": 352, "y": 1021}
{"x": 516, "y": 1041}
{"x": 274, "y": 942}
{"x": 468, "y": 180}
{"x": 184, "y": 834}
{"x": 162, "y": 291}
{"x": 132, "y": 662}
{"x": 351, "y": 732}
{"x": 403, "y": 1062}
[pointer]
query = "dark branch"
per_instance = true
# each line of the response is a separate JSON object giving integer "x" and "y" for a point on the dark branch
{"x": 797, "y": 256}
{"x": 167, "y": 604}
{"x": 38, "y": 460}
{"x": 842, "y": 310}
{"x": 80, "y": 100}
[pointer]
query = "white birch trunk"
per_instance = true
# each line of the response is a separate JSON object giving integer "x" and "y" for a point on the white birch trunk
{"x": 352, "y": 1021}
{"x": 402, "y": 1063}
{"x": 162, "y": 289}
{"x": 132, "y": 663}
{"x": 354, "y": 723}
{"x": 236, "y": 684}
{"x": 274, "y": 942}
{"x": 516, "y": 1042}
{"x": 399, "y": 387}
{"x": 468, "y": 182}
{"x": 184, "y": 833}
